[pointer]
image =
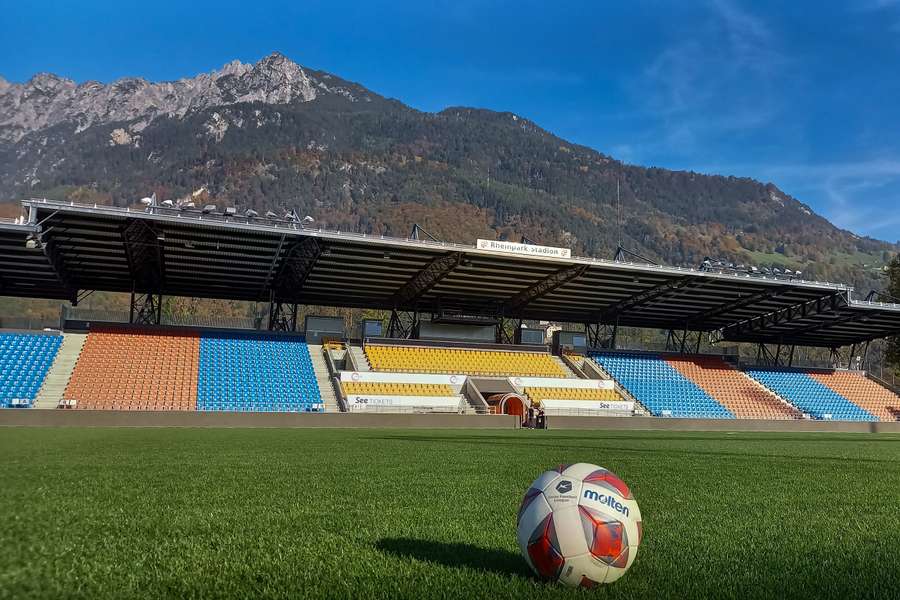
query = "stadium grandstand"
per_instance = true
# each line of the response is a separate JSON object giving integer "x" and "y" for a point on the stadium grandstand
{"x": 462, "y": 334}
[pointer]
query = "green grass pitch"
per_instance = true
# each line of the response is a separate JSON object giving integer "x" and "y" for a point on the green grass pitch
{"x": 238, "y": 513}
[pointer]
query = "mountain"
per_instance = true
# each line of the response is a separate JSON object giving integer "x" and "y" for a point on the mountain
{"x": 276, "y": 135}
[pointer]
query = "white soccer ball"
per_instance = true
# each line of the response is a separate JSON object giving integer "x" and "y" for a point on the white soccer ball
{"x": 580, "y": 525}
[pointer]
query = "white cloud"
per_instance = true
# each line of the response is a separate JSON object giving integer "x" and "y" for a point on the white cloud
{"x": 719, "y": 79}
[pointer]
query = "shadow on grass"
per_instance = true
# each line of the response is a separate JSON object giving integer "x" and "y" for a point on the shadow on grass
{"x": 457, "y": 555}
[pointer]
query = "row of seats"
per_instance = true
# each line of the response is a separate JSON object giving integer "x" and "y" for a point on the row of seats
{"x": 256, "y": 373}
{"x": 809, "y": 395}
{"x": 129, "y": 369}
{"x": 147, "y": 370}
{"x": 862, "y": 391}
{"x": 25, "y": 360}
{"x": 414, "y": 359}
{"x": 539, "y": 394}
{"x": 373, "y": 388}
{"x": 743, "y": 397}
{"x": 659, "y": 387}
{"x": 124, "y": 369}
{"x": 708, "y": 387}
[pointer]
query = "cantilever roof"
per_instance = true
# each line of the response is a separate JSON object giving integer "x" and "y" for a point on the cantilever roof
{"x": 192, "y": 254}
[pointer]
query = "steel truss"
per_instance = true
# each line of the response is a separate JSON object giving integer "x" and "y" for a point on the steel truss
{"x": 543, "y": 287}
{"x": 763, "y": 323}
{"x": 775, "y": 355}
{"x": 403, "y": 324}
{"x": 732, "y": 306}
{"x": 846, "y": 356}
{"x": 51, "y": 251}
{"x": 613, "y": 312}
{"x": 146, "y": 308}
{"x": 602, "y": 335}
{"x": 506, "y": 330}
{"x": 684, "y": 341}
{"x": 430, "y": 275}
{"x": 298, "y": 262}
{"x": 622, "y": 255}
{"x": 145, "y": 256}
{"x": 283, "y": 315}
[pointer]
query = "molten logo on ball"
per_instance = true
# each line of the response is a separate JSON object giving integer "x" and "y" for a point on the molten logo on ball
{"x": 583, "y": 543}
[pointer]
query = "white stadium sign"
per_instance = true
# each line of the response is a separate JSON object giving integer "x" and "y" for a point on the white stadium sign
{"x": 359, "y": 402}
{"x": 526, "y": 249}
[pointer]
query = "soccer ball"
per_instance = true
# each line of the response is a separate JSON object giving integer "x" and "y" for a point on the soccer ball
{"x": 580, "y": 525}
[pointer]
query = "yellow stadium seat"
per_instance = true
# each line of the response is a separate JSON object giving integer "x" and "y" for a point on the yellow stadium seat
{"x": 457, "y": 360}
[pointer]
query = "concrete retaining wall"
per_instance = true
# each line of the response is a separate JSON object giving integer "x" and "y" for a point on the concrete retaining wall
{"x": 660, "y": 424}
{"x": 112, "y": 418}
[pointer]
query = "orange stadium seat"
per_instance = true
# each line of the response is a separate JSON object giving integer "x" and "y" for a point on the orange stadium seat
{"x": 745, "y": 398}
{"x": 862, "y": 391}
{"x": 126, "y": 369}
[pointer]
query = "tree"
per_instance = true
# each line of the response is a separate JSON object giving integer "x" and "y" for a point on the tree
{"x": 893, "y": 348}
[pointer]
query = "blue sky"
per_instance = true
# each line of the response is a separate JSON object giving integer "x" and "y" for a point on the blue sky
{"x": 803, "y": 94}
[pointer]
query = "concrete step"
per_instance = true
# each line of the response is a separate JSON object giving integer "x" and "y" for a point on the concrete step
{"x": 326, "y": 389}
{"x": 569, "y": 372}
{"x": 359, "y": 358}
{"x": 57, "y": 379}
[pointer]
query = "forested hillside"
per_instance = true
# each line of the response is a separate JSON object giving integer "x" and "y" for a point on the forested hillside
{"x": 277, "y": 136}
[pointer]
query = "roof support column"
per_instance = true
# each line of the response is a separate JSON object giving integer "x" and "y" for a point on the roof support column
{"x": 681, "y": 340}
{"x": 403, "y": 324}
{"x": 282, "y": 315}
{"x": 146, "y": 308}
{"x": 602, "y": 335}
{"x": 507, "y": 330}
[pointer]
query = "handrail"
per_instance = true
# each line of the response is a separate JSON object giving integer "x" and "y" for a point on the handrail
{"x": 349, "y": 360}
{"x": 891, "y": 386}
{"x": 575, "y": 368}
{"x": 452, "y": 344}
{"x": 335, "y": 380}
{"x": 472, "y": 393}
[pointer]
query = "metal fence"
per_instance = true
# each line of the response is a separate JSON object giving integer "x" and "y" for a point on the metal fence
{"x": 28, "y": 323}
{"x": 122, "y": 316}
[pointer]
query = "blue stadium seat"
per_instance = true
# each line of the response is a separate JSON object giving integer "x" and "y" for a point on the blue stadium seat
{"x": 810, "y": 396}
{"x": 256, "y": 373}
{"x": 659, "y": 387}
{"x": 25, "y": 360}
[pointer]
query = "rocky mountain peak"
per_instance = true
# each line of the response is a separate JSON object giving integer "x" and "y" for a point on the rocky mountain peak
{"x": 47, "y": 100}
{"x": 49, "y": 83}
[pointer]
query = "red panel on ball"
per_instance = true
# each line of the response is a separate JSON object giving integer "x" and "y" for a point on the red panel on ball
{"x": 606, "y": 477}
{"x": 622, "y": 561}
{"x": 546, "y": 559}
{"x": 588, "y": 583}
{"x": 608, "y": 541}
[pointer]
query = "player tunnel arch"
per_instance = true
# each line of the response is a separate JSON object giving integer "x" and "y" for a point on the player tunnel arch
{"x": 509, "y": 404}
